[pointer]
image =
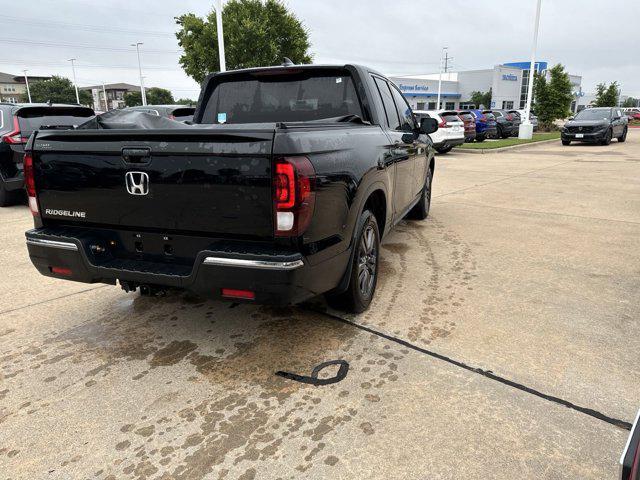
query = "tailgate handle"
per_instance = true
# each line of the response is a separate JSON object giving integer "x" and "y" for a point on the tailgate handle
{"x": 136, "y": 155}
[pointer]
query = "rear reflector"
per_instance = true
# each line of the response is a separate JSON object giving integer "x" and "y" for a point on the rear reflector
{"x": 61, "y": 271}
{"x": 243, "y": 294}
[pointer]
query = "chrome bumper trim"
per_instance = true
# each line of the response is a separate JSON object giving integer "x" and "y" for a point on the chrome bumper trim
{"x": 259, "y": 264}
{"x": 41, "y": 242}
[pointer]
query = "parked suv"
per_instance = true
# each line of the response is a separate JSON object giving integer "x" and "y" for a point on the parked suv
{"x": 180, "y": 113}
{"x": 507, "y": 126}
{"x": 450, "y": 131}
{"x": 486, "y": 126}
{"x": 469, "y": 125}
{"x": 17, "y": 122}
{"x": 596, "y": 125}
{"x": 532, "y": 118}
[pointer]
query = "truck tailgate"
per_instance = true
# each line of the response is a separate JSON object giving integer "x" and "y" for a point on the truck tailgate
{"x": 204, "y": 181}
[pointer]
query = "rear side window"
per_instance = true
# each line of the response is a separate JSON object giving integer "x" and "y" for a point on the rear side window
{"x": 31, "y": 119}
{"x": 296, "y": 96}
{"x": 404, "y": 111}
{"x": 390, "y": 107}
{"x": 490, "y": 116}
{"x": 467, "y": 117}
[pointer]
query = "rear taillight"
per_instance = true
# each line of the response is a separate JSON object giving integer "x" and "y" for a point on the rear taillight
{"x": 30, "y": 183}
{"x": 294, "y": 195}
{"x": 509, "y": 117}
{"x": 14, "y": 136}
{"x": 482, "y": 119}
{"x": 443, "y": 124}
{"x": 239, "y": 294}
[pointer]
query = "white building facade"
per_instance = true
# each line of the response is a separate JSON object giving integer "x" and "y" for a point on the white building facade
{"x": 508, "y": 84}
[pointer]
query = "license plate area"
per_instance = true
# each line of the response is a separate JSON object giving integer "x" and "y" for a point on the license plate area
{"x": 579, "y": 135}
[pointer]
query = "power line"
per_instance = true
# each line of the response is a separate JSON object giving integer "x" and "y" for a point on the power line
{"x": 75, "y": 45}
{"x": 89, "y": 28}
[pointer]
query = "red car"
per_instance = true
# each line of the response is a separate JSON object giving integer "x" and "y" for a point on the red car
{"x": 469, "y": 125}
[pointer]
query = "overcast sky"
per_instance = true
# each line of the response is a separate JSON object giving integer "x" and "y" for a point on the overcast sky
{"x": 395, "y": 37}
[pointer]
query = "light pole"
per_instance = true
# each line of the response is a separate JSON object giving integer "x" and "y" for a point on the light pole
{"x": 526, "y": 128}
{"x": 223, "y": 63}
{"x": 106, "y": 101}
{"x": 142, "y": 92}
{"x": 444, "y": 49}
{"x": 26, "y": 81}
{"x": 75, "y": 83}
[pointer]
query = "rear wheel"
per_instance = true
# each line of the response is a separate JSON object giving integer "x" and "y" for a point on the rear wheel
{"x": 7, "y": 198}
{"x": 364, "y": 269}
{"x": 622, "y": 138}
{"x": 421, "y": 209}
{"x": 607, "y": 137}
{"x": 444, "y": 149}
{"x": 502, "y": 133}
{"x": 480, "y": 138}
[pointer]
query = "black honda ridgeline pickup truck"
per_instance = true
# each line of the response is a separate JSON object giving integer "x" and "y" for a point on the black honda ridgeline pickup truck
{"x": 280, "y": 191}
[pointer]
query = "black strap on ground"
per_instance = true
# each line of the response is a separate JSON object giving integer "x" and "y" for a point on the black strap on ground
{"x": 313, "y": 379}
{"x": 485, "y": 373}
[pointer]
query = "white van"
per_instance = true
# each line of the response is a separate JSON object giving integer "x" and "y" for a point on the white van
{"x": 450, "y": 131}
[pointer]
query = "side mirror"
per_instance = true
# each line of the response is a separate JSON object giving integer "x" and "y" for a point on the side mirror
{"x": 428, "y": 125}
{"x": 572, "y": 118}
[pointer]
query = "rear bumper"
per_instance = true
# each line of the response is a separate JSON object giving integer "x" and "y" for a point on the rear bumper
{"x": 449, "y": 142}
{"x": 278, "y": 279}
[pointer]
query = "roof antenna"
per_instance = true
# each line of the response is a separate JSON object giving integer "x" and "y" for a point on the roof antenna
{"x": 287, "y": 62}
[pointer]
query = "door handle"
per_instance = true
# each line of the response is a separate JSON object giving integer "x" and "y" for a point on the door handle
{"x": 136, "y": 155}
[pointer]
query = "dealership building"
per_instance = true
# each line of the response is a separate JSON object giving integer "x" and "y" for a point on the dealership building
{"x": 508, "y": 83}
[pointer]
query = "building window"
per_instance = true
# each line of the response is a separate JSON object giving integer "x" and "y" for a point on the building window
{"x": 524, "y": 89}
{"x": 420, "y": 106}
{"x": 431, "y": 106}
{"x": 450, "y": 105}
{"x": 507, "y": 104}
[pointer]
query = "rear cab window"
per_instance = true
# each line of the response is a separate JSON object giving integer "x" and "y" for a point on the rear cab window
{"x": 294, "y": 95}
{"x": 34, "y": 118}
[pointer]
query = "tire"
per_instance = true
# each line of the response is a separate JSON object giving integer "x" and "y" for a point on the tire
{"x": 421, "y": 209}
{"x": 444, "y": 149}
{"x": 607, "y": 138}
{"x": 364, "y": 269}
{"x": 566, "y": 142}
{"x": 480, "y": 138}
{"x": 623, "y": 138}
{"x": 502, "y": 133}
{"x": 7, "y": 198}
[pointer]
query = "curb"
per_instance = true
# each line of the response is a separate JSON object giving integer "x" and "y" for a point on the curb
{"x": 479, "y": 151}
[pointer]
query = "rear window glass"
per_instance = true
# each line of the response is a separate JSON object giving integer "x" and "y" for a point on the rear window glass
{"x": 466, "y": 116}
{"x": 294, "y": 97}
{"x": 33, "y": 119}
{"x": 490, "y": 116}
{"x": 183, "y": 114}
{"x": 450, "y": 117}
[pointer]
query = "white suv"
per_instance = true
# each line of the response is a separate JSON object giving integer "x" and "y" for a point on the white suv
{"x": 450, "y": 131}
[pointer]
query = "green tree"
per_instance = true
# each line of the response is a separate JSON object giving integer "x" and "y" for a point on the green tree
{"x": 159, "y": 96}
{"x": 630, "y": 102}
{"x": 481, "y": 98}
{"x": 607, "y": 96}
{"x": 56, "y": 90}
{"x": 186, "y": 101}
{"x": 256, "y": 34}
{"x": 552, "y": 98}
{"x": 133, "y": 99}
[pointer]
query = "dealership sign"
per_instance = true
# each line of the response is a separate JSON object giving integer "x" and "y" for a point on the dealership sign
{"x": 413, "y": 88}
{"x": 510, "y": 77}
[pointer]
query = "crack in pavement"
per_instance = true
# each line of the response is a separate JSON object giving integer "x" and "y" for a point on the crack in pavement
{"x": 616, "y": 422}
{"x": 52, "y": 299}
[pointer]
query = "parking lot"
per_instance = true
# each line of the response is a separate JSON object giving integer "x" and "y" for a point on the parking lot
{"x": 503, "y": 343}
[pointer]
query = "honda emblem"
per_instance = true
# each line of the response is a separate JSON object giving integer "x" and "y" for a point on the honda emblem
{"x": 137, "y": 183}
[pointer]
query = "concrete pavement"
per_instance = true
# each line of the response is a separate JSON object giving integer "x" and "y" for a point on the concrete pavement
{"x": 527, "y": 267}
